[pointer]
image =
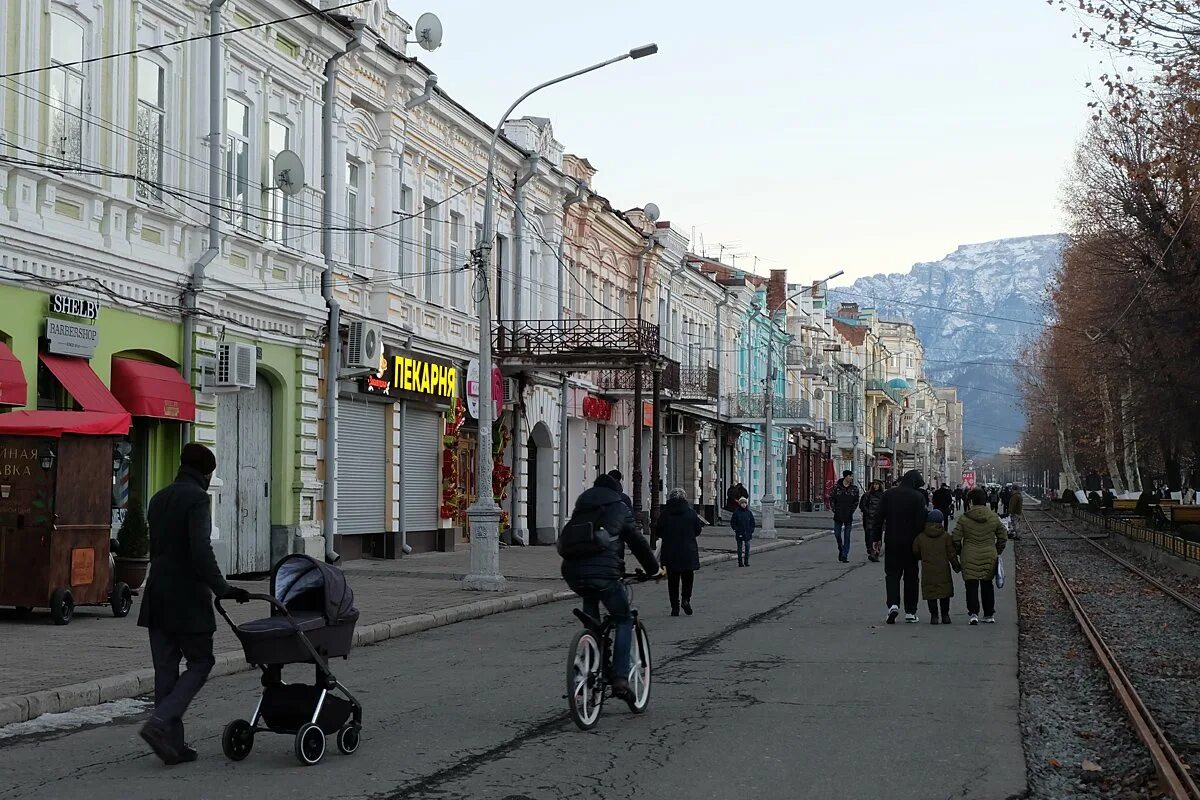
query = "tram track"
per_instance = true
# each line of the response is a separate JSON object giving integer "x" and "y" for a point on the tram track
{"x": 1163, "y": 739}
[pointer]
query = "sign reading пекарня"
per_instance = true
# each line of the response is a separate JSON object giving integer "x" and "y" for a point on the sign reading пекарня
{"x": 413, "y": 376}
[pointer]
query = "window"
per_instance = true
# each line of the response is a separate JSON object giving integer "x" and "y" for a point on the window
{"x": 501, "y": 288}
{"x": 429, "y": 241}
{"x": 279, "y": 138}
{"x": 408, "y": 246}
{"x": 458, "y": 276}
{"x": 237, "y": 160}
{"x": 353, "y": 215}
{"x": 66, "y": 88}
{"x": 150, "y": 116}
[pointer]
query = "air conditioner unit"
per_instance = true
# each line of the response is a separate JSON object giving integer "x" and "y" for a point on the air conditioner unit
{"x": 365, "y": 346}
{"x": 511, "y": 392}
{"x": 236, "y": 365}
{"x": 673, "y": 424}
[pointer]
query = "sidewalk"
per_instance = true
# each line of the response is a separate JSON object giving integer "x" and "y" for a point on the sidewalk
{"x": 97, "y": 658}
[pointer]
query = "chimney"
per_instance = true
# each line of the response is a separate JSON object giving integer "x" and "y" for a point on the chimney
{"x": 777, "y": 290}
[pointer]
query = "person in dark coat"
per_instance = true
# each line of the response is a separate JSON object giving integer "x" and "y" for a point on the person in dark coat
{"x": 678, "y": 527}
{"x": 742, "y": 523}
{"x": 616, "y": 475}
{"x": 1092, "y": 482}
{"x": 1005, "y": 494}
{"x": 994, "y": 499}
{"x": 843, "y": 499}
{"x": 958, "y": 497}
{"x": 735, "y": 493}
{"x": 869, "y": 506}
{"x": 901, "y": 518}
{"x": 597, "y": 578}
{"x": 177, "y": 606}
{"x": 943, "y": 501}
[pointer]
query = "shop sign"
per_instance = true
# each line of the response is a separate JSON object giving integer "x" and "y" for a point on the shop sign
{"x": 597, "y": 408}
{"x": 411, "y": 376}
{"x": 70, "y": 338}
{"x": 647, "y": 413}
{"x": 473, "y": 389}
{"x": 883, "y": 462}
{"x": 64, "y": 305}
{"x": 968, "y": 480}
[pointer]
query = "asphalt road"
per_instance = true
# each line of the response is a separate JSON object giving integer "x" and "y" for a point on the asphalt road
{"x": 784, "y": 684}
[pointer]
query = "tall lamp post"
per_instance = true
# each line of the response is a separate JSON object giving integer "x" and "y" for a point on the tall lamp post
{"x": 484, "y": 514}
{"x": 768, "y": 499}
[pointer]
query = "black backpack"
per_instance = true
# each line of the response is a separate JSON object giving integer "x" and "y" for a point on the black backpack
{"x": 584, "y": 536}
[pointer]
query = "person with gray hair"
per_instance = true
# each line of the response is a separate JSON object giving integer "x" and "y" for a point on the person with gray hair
{"x": 678, "y": 527}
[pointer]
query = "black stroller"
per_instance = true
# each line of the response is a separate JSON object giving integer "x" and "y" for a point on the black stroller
{"x": 312, "y": 620}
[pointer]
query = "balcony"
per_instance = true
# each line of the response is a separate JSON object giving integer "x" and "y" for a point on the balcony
{"x": 845, "y": 430}
{"x": 698, "y": 384}
{"x": 624, "y": 381}
{"x": 879, "y": 387}
{"x": 886, "y": 444}
{"x": 749, "y": 409}
{"x": 577, "y": 345}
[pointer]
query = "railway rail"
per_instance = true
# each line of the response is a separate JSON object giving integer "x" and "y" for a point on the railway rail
{"x": 1174, "y": 777}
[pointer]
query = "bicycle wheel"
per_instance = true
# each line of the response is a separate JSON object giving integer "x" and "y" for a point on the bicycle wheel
{"x": 639, "y": 671}
{"x": 585, "y": 687}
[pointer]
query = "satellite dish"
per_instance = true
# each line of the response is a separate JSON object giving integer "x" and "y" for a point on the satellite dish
{"x": 429, "y": 31}
{"x": 651, "y": 211}
{"x": 289, "y": 173}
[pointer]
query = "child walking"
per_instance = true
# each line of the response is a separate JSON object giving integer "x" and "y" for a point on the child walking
{"x": 743, "y": 530}
{"x": 938, "y": 556}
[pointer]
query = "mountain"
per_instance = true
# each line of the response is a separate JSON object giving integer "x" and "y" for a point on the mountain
{"x": 996, "y": 282}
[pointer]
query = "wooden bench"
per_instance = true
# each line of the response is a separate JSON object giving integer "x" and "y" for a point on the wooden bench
{"x": 1184, "y": 515}
{"x": 1124, "y": 508}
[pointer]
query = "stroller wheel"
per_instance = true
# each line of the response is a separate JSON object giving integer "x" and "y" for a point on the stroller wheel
{"x": 310, "y": 744}
{"x": 348, "y": 737}
{"x": 237, "y": 740}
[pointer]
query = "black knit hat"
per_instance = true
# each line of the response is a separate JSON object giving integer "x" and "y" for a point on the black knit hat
{"x": 198, "y": 457}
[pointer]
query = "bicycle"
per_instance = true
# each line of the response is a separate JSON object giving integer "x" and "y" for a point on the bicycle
{"x": 590, "y": 657}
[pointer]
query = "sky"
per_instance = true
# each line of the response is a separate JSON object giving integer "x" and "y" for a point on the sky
{"x": 863, "y": 135}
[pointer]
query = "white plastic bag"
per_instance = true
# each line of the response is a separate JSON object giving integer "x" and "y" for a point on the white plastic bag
{"x": 999, "y": 580}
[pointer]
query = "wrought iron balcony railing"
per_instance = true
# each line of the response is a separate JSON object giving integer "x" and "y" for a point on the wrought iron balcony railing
{"x": 625, "y": 380}
{"x": 878, "y": 385}
{"x": 585, "y": 337}
{"x": 885, "y": 443}
{"x": 698, "y": 383}
{"x": 782, "y": 408}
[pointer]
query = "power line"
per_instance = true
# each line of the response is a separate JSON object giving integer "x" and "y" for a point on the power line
{"x": 185, "y": 40}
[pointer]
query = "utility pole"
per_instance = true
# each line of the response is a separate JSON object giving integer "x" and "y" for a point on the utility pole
{"x": 768, "y": 499}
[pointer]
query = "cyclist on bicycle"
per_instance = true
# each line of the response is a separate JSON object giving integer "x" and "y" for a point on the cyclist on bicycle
{"x": 592, "y": 545}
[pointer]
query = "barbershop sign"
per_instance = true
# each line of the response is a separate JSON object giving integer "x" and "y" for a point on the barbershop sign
{"x": 413, "y": 376}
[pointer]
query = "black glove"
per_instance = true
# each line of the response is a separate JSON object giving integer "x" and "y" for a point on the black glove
{"x": 238, "y": 594}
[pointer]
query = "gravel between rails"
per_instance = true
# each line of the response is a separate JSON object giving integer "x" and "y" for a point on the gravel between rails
{"x": 1068, "y": 712}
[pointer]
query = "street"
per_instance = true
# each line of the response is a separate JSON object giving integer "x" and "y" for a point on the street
{"x": 784, "y": 684}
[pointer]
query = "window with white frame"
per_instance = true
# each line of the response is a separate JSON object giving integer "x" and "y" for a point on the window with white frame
{"x": 429, "y": 243}
{"x": 66, "y": 89}
{"x": 279, "y": 138}
{"x": 457, "y": 275}
{"x": 354, "y": 215}
{"x": 150, "y": 120}
{"x": 237, "y": 160}
{"x": 408, "y": 245}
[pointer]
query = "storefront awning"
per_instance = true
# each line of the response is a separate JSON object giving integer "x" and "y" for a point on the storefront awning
{"x": 152, "y": 390}
{"x": 56, "y": 423}
{"x": 13, "y": 388}
{"x": 81, "y": 383}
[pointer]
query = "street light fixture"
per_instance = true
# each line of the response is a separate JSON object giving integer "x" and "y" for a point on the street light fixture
{"x": 484, "y": 514}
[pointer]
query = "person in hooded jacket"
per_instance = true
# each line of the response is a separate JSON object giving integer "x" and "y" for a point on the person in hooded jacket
{"x": 943, "y": 501}
{"x": 742, "y": 523}
{"x": 677, "y": 529}
{"x": 843, "y": 499}
{"x": 936, "y": 550}
{"x": 902, "y": 515}
{"x": 597, "y": 578}
{"x": 869, "y": 506}
{"x": 979, "y": 538}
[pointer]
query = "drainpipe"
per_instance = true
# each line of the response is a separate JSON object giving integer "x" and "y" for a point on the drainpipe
{"x": 638, "y": 418}
{"x": 578, "y": 196}
{"x": 718, "y": 484}
{"x": 196, "y": 285}
{"x": 333, "y": 353}
{"x": 404, "y": 546}
{"x": 529, "y": 169}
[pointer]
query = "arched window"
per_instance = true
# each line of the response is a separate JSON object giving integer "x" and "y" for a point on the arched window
{"x": 66, "y": 88}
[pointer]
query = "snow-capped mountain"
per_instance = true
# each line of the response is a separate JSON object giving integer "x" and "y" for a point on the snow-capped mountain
{"x": 1001, "y": 284}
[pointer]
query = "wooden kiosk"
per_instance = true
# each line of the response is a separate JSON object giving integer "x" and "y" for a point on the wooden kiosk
{"x": 56, "y": 472}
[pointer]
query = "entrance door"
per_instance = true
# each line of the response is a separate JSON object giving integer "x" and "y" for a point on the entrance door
{"x": 244, "y": 465}
{"x": 531, "y": 487}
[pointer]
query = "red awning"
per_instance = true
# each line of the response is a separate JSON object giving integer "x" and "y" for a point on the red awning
{"x": 85, "y": 386}
{"x": 56, "y": 423}
{"x": 152, "y": 390}
{"x": 12, "y": 379}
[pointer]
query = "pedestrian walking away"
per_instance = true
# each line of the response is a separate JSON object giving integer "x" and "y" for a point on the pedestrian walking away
{"x": 178, "y": 604}
{"x": 958, "y": 497}
{"x": 592, "y": 546}
{"x": 677, "y": 529}
{"x": 869, "y": 506}
{"x": 843, "y": 500}
{"x": 1005, "y": 494}
{"x": 993, "y": 499}
{"x": 743, "y": 531}
{"x": 943, "y": 501}
{"x": 979, "y": 539}
{"x": 902, "y": 516}
{"x": 934, "y": 547}
{"x": 1016, "y": 505}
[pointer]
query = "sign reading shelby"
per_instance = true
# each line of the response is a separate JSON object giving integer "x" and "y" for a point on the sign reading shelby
{"x": 67, "y": 306}
{"x": 413, "y": 376}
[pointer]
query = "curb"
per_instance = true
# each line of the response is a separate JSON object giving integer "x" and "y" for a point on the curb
{"x": 24, "y": 707}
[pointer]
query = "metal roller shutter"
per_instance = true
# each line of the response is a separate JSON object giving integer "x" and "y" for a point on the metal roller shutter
{"x": 362, "y": 458}
{"x": 422, "y": 480}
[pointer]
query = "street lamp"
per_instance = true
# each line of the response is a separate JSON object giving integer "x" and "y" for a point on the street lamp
{"x": 484, "y": 514}
{"x": 768, "y": 499}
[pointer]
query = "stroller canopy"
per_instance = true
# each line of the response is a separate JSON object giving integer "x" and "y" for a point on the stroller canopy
{"x": 303, "y": 583}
